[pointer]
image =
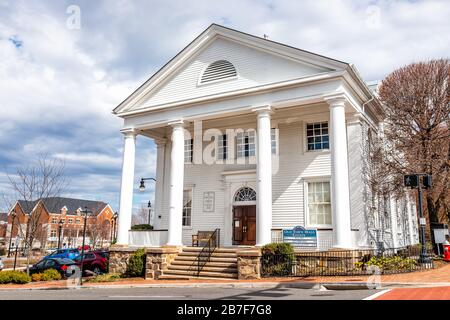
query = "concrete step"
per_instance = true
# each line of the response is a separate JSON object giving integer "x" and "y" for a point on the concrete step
{"x": 204, "y": 268}
{"x": 181, "y": 277}
{"x": 174, "y": 277}
{"x": 220, "y": 250}
{"x": 193, "y": 258}
{"x": 214, "y": 254}
{"x": 202, "y": 274}
{"x": 207, "y": 264}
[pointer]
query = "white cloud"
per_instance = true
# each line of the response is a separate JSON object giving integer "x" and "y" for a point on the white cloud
{"x": 58, "y": 87}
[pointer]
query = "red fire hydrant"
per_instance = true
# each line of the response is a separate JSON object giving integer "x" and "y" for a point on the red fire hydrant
{"x": 446, "y": 246}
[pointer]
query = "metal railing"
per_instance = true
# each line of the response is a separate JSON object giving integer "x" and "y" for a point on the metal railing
{"x": 207, "y": 250}
{"x": 345, "y": 262}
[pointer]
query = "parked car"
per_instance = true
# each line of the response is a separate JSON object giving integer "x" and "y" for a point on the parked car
{"x": 64, "y": 253}
{"x": 66, "y": 267}
{"x": 1, "y": 264}
{"x": 94, "y": 261}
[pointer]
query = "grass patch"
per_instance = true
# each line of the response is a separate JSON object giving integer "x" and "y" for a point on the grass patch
{"x": 108, "y": 277}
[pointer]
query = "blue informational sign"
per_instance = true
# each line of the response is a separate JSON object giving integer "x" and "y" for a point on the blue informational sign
{"x": 300, "y": 237}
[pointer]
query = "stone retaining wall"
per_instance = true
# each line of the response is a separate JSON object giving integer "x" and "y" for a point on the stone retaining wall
{"x": 158, "y": 259}
{"x": 118, "y": 258}
{"x": 249, "y": 264}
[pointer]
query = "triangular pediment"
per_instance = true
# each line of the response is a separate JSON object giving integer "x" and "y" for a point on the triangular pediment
{"x": 257, "y": 62}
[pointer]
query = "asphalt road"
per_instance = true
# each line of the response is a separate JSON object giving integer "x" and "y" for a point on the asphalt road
{"x": 185, "y": 293}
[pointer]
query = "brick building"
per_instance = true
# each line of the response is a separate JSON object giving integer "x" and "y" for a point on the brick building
{"x": 59, "y": 219}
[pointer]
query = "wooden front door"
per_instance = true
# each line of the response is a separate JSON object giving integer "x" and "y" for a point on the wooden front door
{"x": 244, "y": 225}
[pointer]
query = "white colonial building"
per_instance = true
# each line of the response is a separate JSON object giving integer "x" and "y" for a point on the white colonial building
{"x": 254, "y": 137}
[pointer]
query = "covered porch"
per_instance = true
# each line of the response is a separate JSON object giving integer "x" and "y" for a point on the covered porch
{"x": 252, "y": 176}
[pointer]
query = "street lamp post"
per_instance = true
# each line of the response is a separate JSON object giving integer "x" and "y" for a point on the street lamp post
{"x": 60, "y": 225}
{"x": 15, "y": 255}
{"x": 113, "y": 229}
{"x": 13, "y": 216}
{"x": 142, "y": 188}
{"x": 413, "y": 181}
{"x": 86, "y": 212}
{"x": 116, "y": 216}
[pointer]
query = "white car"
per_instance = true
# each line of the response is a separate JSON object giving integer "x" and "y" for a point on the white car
{"x": 1, "y": 264}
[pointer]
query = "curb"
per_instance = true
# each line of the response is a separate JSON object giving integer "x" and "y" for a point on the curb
{"x": 299, "y": 285}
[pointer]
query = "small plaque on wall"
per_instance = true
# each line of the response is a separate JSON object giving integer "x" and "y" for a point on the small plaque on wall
{"x": 209, "y": 201}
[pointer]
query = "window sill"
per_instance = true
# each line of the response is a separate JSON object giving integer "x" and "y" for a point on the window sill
{"x": 318, "y": 151}
{"x": 320, "y": 227}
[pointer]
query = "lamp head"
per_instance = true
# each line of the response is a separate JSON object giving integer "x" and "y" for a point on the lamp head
{"x": 142, "y": 185}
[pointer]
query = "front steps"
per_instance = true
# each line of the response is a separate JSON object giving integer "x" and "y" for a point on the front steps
{"x": 221, "y": 265}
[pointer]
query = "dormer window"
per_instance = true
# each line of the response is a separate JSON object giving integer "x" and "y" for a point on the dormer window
{"x": 218, "y": 70}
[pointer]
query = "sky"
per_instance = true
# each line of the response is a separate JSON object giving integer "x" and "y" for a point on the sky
{"x": 64, "y": 65}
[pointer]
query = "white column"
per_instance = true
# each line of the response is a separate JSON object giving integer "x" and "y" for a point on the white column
{"x": 160, "y": 163}
{"x": 126, "y": 188}
{"x": 340, "y": 201}
{"x": 393, "y": 216}
{"x": 264, "y": 177}
{"x": 174, "y": 237}
{"x": 411, "y": 220}
{"x": 227, "y": 232}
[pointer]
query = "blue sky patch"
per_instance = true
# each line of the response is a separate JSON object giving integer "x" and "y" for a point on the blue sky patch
{"x": 16, "y": 41}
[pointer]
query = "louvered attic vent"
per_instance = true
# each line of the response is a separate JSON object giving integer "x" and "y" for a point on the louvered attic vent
{"x": 218, "y": 70}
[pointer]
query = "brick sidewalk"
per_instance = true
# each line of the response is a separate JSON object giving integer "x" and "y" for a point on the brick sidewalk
{"x": 435, "y": 293}
{"x": 436, "y": 276}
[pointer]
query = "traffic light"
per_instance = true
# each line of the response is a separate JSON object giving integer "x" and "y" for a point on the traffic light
{"x": 427, "y": 183}
{"x": 411, "y": 180}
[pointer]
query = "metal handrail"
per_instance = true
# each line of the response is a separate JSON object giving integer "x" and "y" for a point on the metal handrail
{"x": 207, "y": 250}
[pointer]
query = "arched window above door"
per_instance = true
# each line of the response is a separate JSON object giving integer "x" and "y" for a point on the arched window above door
{"x": 245, "y": 194}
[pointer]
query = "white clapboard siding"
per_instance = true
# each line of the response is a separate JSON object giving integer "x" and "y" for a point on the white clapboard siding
{"x": 295, "y": 166}
{"x": 254, "y": 68}
{"x": 358, "y": 220}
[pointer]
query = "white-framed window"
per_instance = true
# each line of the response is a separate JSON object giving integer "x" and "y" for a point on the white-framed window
{"x": 245, "y": 142}
{"x": 273, "y": 139}
{"x": 319, "y": 203}
{"x": 187, "y": 207}
{"x": 188, "y": 150}
{"x": 54, "y": 220}
{"x": 77, "y": 220}
{"x": 63, "y": 220}
{"x": 222, "y": 147}
{"x": 53, "y": 233}
{"x": 70, "y": 220}
{"x": 317, "y": 136}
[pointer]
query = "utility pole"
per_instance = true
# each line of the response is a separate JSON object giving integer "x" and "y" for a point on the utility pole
{"x": 85, "y": 211}
{"x": 13, "y": 217}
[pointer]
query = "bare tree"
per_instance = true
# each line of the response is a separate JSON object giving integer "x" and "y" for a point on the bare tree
{"x": 45, "y": 179}
{"x": 98, "y": 230}
{"x": 141, "y": 216}
{"x": 417, "y": 101}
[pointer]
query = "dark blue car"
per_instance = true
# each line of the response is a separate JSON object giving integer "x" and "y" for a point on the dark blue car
{"x": 64, "y": 254}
